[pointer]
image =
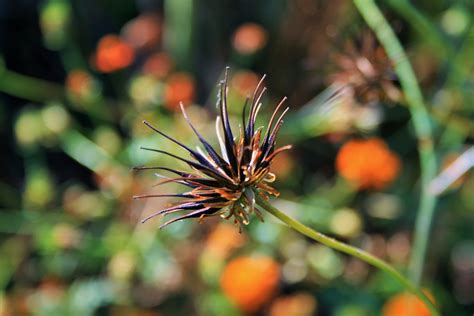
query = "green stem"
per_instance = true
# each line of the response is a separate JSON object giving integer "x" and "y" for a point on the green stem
{"x": 29, "y": 88}
{"x": 345, "y": 248}
{"x": 422, "y": 123}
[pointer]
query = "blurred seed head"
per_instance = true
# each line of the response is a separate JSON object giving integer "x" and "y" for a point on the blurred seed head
{"x": 367, "y": 71}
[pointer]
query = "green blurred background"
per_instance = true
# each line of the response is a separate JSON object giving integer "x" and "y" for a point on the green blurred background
{"x": 77, "y": 77}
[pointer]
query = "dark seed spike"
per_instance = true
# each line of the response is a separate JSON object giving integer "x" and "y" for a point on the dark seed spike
{"x": 180, "y": 173}
{"x": 257, "y": 88}
{"x": 206, "y": 170}
{"x": 244, "y": 113}
{"x": 252, "y": 106}
{"x": 184, "y": 207}
{"x": 271, "y": 142}
{"x": 272, "y": 118}
{"x": 191, "y": 182}
{"x": 189, "y": 215}
{"x": 170, "y": 138}
{"x": 194, "y": 153}
{"x": 279, "y": 150}
{"x": 268, "y": 147}
{"x": 228, "y": 136}
{"x": 270, "y": 138}
{"x": 257, "y": 107}
{"x": 183, "y": 195}
{"x": 211, "y": 151}
{"x": 223, "y": 109}
{"x": 175, "y": 180}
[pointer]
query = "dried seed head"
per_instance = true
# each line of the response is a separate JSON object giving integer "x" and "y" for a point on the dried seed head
{"x": 225, "y": 183}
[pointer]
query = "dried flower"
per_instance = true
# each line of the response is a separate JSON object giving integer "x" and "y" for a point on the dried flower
{"x": 367, "y": 163}
{"x": 367, "y": 71}
{"x": 250, "y": 282}
{"x": 225, "y": 184}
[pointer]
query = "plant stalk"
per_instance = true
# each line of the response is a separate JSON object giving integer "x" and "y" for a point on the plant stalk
{"x": 345, "y": 248}
{"x": 422, "y": 126}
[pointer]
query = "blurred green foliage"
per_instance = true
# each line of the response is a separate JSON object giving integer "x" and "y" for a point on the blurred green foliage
{"x": 70, "y": 238}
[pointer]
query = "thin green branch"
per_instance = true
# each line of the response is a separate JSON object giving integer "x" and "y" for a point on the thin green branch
{"x": 350, "y": 250}
{"x": 423, "y": 129}
{"x": 29, "y": 88}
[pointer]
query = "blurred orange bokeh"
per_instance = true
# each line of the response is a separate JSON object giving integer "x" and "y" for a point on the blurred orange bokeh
{"x": 250, "y": 282}
{"x": 405, "y": 304}
{"x": 79, "y": 82}
{"x": 179, "y": 88}
{"x": 143, "y": 32}
{"x": 113, "y": 54}
{"x": 249, "y": 38}
{"x": 368, "y": 164}
{"x": 158, "y": 65}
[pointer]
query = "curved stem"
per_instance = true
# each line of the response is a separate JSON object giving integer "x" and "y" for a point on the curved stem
{"x": 345, "y": 248}
{"x": 421, "y": 122}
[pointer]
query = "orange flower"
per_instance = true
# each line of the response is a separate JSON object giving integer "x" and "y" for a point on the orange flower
{"x": 113, "y": 54}
{"x": 250, "y": 282}
{"x": 179, "y": 88}
{"x": 405, "y": 304}
{"x": 368, "y": 163}
{"x": 249, "y": 38}
{"x": 79, "y": 83}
